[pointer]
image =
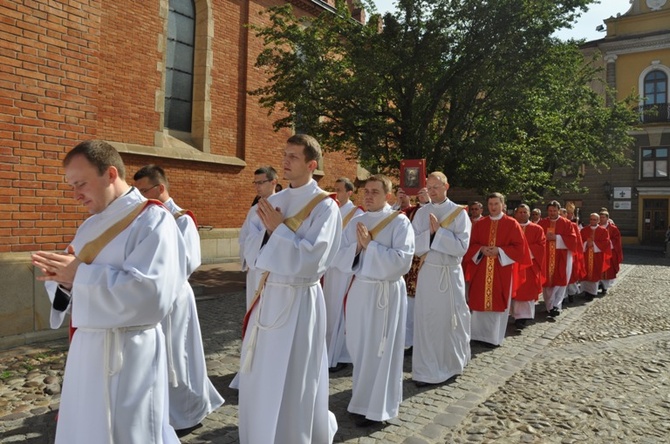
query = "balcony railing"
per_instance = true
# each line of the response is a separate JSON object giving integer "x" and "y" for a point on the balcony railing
{"x": 656, "y": 113}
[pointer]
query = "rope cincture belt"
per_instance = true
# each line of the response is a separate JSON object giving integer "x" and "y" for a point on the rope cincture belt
{"x": 444, "y": 280}
{"x": 113, "y": 360}
{"x": 277, "y": 323}
{"x": 382, "y": 289}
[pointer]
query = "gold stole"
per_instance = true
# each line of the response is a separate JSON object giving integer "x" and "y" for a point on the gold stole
{"x": 348, "y": 217}
{"x": 90, "y": 251}
{"x": 552, "y": 254}
{"x": 189, "y": 213}
{"x": 293, "y": 223}
{"x": 490, "y": 268}
{"x": 444, "y": 224}
{"x": 590, "y": 254}
{"x": 381, "y": 225}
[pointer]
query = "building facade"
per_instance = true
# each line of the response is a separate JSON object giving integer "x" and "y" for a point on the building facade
{"x": 636, "y": 54}
{"x": 635, "y": 58}
{"x": 165, "y": 82}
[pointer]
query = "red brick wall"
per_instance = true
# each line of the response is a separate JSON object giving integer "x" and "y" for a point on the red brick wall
{"x": 48, "y": 68}
{"x": 81, "y": 70}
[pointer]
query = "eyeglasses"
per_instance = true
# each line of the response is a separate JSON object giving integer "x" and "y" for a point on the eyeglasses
{"x": 145, "y": 190}
{"x": 261, "y": 182}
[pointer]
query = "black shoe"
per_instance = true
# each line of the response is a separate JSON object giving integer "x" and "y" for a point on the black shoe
{"x": 589, "y": 296}
{"x": 409, "y": 351}
{"x": 183, "y": 432}
{"x": 422, "y": 384}
{"x": 554, "y": 312}
{"x": 571, "y": 298}
{"x": 604, "y": 292}
{"x": 520, "y": 324}
{"x": 338, "y": 368}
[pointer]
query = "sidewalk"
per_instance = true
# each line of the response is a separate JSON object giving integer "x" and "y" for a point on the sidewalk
{"x": 218, "y": 279}
{"x": 600, "y": 373}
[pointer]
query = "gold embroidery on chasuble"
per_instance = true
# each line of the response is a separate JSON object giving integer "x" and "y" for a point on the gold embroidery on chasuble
{"x": 552, "y": 254}
{"x": 590, "y": 254}
{"x": 490, "y": 268}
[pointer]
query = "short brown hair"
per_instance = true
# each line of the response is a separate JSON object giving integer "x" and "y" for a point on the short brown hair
{"x": 311, "y": 147}
{"x": 496, "y": 196}
{"x": 154, "y": 173}
{"x": 387, "y": 186}
{"x": 100, "y": 154}
{"x": 348, "y": 185}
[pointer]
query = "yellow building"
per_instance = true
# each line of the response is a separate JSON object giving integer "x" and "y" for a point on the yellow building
{"x": 636, "y": 57}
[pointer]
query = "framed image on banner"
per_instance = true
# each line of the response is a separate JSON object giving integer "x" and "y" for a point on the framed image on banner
{"x": 412, "y": 175}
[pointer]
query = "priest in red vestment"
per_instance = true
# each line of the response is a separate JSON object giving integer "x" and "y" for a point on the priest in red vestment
{"x": 524, "y": 299}
{"x": 597, "y": 253}
{"x": 577, "y": 261}
{"x": 561, "y": 242}
{"x": 617, "y": 251}
{"x": 496, "y": 257}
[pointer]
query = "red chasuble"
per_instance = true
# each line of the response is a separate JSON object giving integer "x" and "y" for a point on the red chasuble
{"x": 617, "y": 252}
{"x": 596, "y": 263}
{"x": 490, "y": 282}
{"x": 557, "y": 259}
{"x": 535, "y": 274}
{"x": 578, "y": 266}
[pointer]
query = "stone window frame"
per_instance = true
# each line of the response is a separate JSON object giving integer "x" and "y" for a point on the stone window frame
{"x": 193, "y": 146}
{"x": 655, "y": 65}
{"x": 201, "y": 116}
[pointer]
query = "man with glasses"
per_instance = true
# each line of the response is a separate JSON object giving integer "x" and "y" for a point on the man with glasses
{"x": 475, "y": 211}
{"x": 441, "y": 315}
{"x": 265, "y": 181}
{"x": 535, "y": 215}
{"x": 192, "y": 394}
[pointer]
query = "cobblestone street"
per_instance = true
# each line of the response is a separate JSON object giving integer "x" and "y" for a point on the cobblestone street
{"x": 599, "y": 373}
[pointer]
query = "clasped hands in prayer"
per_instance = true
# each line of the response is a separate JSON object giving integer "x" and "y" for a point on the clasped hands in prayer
{"x": 489, "y": 251}
{"x": 270, "y": 217}
{"x": 363, "y": 237}
{"x": 57, "y": 267}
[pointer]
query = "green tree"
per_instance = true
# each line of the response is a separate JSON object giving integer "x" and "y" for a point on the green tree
{"x": 480, "y": 89}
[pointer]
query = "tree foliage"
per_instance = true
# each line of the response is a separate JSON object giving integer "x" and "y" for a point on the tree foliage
{"x": 478, "y": 88}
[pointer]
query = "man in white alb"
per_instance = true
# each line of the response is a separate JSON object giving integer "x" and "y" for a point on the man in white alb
{"x": 265, "y": 181}
{"x": 118, "y": 279}
{"x": 441, "y": 315}
{"x": 335, "y": 285}
{"x": 284, "y": 369}
{"x": 192, "y": 394}
{"x": 377, "y": 247}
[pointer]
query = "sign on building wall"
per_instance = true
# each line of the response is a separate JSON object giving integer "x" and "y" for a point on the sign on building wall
{"x": 622, "y": 205}
{"x": 622, "y": 192}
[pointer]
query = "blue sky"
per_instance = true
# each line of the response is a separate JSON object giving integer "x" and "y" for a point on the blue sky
{"x": 584, "y": 28}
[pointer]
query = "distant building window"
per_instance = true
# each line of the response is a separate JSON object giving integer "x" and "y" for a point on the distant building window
{"x": 655, "y": 163}
{"x": 656, "y": 88}
{"x": 179, "y": 65}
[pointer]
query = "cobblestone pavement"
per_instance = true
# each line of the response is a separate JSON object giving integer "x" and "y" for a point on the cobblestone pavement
{"x": 599, "y": 373}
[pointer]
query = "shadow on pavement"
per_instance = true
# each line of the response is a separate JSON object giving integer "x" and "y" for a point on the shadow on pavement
{"x": 222, "y": 385}
{"x": 44, "y": 426}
